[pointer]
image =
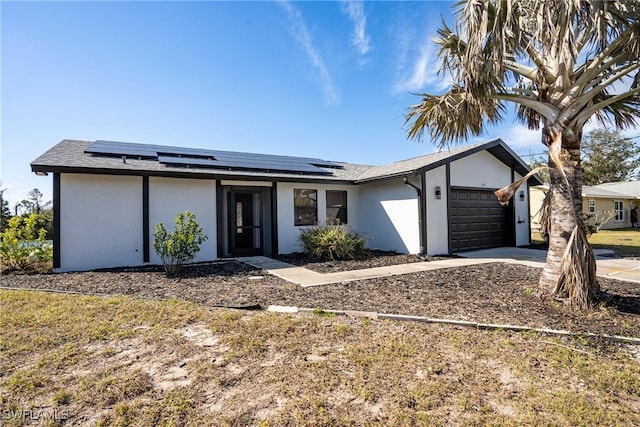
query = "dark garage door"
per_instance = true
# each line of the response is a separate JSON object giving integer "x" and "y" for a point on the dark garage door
{"x": 476, "y": 220}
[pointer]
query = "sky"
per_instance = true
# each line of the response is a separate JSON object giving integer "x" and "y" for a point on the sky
{"x": 330, "y": 79}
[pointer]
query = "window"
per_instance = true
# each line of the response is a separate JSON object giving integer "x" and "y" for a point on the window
{"x": 618, "y": 207}
{"x": 336, "y": 207}
{"x": 305, "y": 207}
{"x": 592, "y": 206}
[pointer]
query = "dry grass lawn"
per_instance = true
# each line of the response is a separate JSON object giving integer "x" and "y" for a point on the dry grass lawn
{"x": 126, "y": 361}
{"x": 625, "y": 242}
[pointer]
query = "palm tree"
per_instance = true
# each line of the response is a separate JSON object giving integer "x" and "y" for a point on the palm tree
{"x": 560, "y": 62}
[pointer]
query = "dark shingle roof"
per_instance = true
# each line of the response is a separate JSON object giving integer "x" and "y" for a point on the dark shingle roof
{"x": 71, "y": 156}
{"x": 427, "y": 162}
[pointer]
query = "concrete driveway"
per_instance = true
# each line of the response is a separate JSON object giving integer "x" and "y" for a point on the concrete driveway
{"x": 615, "y": 268}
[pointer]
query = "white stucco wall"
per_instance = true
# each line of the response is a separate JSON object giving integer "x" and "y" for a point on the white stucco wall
{"x": 169, "y": 196}
{"x": 288, "y": 233}
{"x": 100, "y": 221}
{"x": 480, "y": 170}
{"x": 389, "y": 216}
{"x": 437, "y": 225}
{"x": 522, "y": 220}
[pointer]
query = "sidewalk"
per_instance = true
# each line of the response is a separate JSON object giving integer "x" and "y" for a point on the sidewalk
{"x": 305, "y": 278}
{"x": 620, "y": 269}
{"x": 612, "y": 268}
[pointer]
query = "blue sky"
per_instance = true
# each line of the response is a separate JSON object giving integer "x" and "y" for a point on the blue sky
{"x": 318, "y": 79}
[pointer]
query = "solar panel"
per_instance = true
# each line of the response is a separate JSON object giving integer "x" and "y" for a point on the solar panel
{"x": 243, "y": 165}
{"x": 179, "y": 156}
{"x": 121, "y": 149}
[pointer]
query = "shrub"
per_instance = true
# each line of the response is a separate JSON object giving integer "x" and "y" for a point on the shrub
{"x": 23, "y": 245}
{"x": 593, "y": 222}
{"x": 331, "y": 241}
{"x": 180, "y": 246}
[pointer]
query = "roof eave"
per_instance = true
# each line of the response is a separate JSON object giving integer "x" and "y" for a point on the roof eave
{"x": 38, "y": 168}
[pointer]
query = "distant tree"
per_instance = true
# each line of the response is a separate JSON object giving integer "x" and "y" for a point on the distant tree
{"x": 608, "y": 157}
{"x": 5, "y": 211}
{"x": 23, "y": 207}
{"x": 34, "y": 204}
{"x": 37, "y": 205}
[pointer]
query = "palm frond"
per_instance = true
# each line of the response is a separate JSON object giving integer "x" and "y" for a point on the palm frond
{"x": 623, "y": 114}
{"x": 578, "y": 267}
{"x": 545, "y": 216}
{"x": 562, "y": 56}
{"x": 452, "y": 50}
{"x": 453, "y": 116}
{"x": 505, "y": 193}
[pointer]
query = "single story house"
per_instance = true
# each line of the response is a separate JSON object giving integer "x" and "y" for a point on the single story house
{"x": 612, "y": 201}
{"x": 108, "y": 197}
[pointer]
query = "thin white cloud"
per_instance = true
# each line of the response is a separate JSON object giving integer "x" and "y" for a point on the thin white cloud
{"x": 520, "y": 137}
{"x": 301, "y": 33}
{"x": 359, "y": 38}
{"x": 416, "y": 65}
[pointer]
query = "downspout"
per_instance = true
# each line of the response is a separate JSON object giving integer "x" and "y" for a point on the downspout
{"x": 421, "y": 213}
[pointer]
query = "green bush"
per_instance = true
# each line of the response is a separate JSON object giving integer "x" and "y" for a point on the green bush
{"x": 23, "y": 245}
{"x": 331, "y": 241}
{"x": 180, "y": 246}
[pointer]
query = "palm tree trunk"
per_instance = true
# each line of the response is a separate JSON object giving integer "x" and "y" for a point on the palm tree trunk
{"x": 559, "y": 279}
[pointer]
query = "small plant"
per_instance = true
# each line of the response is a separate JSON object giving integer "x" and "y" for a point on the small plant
{"x": 331, "y": 241}
{"x": 180, "y": 246}
{"x": 62, "y": 397}
{"x": 593, "y": 222}
{"x": 23, "y": 245}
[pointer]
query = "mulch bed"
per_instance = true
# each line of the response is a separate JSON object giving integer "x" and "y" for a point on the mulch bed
{"x": 488, "y": 293}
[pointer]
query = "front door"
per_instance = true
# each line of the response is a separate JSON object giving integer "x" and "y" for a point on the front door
{"x": 245, "y": 223}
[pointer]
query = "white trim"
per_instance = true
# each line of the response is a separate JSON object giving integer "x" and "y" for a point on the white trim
{"x": 619, "y": 217}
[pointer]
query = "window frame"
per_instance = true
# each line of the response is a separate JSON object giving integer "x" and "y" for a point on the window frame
{"x": 300, "y": 218}
{"x": 342, "y": 207}
{"x": 592, "y": 206}
{"x": 618, "y": 208}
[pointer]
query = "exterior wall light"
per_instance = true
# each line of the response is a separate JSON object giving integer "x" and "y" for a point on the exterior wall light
{"x": 438, "y": 193}
{"x": 521, "y": 196}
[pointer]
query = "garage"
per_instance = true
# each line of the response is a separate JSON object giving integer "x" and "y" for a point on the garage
{"x": 476, "y": 220}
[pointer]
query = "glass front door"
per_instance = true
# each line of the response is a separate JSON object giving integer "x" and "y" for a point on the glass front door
{"x": 245, "y": 225}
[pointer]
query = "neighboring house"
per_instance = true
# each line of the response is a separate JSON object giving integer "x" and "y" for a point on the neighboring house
{"x": 536, "y": 197}
{"x": 108, "y": 197}
{"x": 612, "y": 201}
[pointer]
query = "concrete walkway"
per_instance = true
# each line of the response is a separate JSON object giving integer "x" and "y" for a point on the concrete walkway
{"x": 305, "y": 278}
{"x": 613, "y": 268}
{"x": 621, "y": 269}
